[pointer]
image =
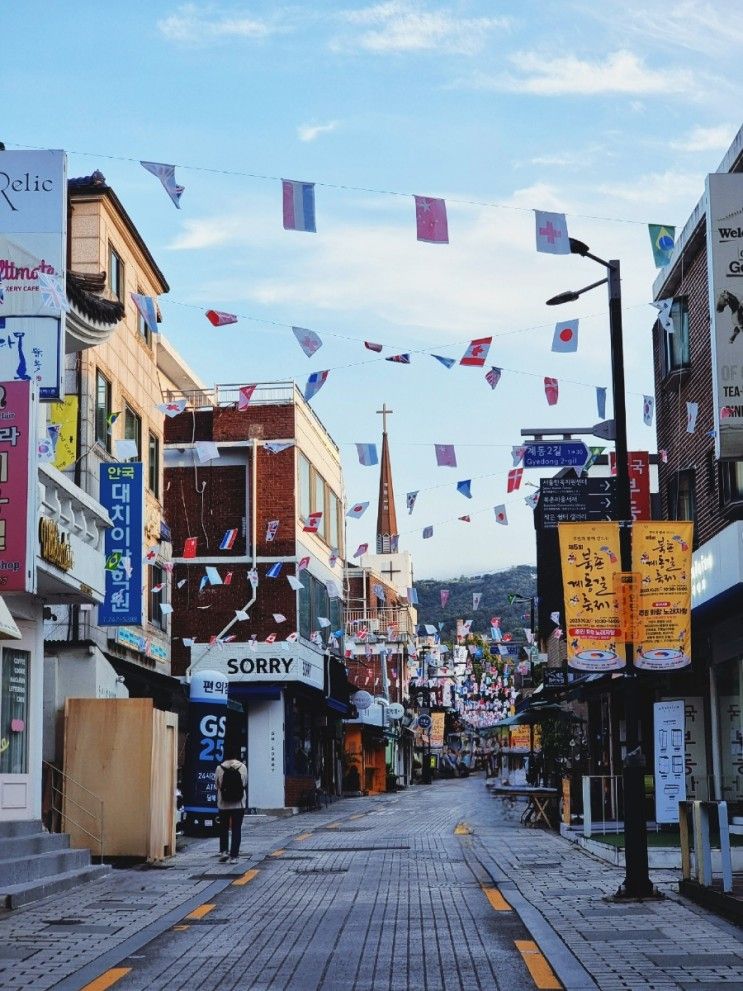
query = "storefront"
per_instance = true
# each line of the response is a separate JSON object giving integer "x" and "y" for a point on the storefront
{"x": 289, "y": 729}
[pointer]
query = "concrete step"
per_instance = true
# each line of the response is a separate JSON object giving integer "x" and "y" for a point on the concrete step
{"x": 13, "y": 847}
{"x": 27, "y": 869}
{"x": 20, "y": 827}
{"x": 15, "y": 895}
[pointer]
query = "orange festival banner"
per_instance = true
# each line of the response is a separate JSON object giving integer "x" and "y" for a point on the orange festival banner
{"x": 661, "y": 553}
{"x": 590, "y": 558}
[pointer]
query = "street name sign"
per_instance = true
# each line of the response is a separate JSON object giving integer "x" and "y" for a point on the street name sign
{"x": 577, "y": 500}
{"x": 556, "y": 454}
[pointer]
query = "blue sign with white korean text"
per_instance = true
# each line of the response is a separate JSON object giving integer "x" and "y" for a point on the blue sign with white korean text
{"x": 207, "y": 724}
{"x": 556, "y": 454}
{"x": 122, "y": 494}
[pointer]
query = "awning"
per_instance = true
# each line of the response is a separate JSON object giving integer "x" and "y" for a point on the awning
{"x": 8, "y": 626}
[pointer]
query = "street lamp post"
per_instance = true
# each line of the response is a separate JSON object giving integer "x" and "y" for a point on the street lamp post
{"x": 637, "y": 882}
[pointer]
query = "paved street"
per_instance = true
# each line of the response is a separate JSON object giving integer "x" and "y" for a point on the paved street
{"x": 437, "y": 888}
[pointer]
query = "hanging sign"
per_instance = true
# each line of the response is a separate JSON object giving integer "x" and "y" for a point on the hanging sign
{"x": 18, "y": 502}
{"x": 122, "y": 494}
{"x": 589, "y": 556}
{"x": 661, "y": 553}
{"x": 207, "y": 722}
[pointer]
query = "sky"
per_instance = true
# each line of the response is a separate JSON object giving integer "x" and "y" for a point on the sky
{"x": 498, "y": 107}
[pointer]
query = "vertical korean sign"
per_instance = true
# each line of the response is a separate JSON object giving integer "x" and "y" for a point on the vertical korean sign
{"x": 122, "y": 495}
{"x": 33, "y": 250}
{"x": 17, "y": 497}
{"x": 638, "y": 468}
{"x": 589, "y": 556}
{"x": 661, "y": 554}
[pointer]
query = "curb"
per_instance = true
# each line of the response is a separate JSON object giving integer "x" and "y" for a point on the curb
{"x": 568, "y": 968}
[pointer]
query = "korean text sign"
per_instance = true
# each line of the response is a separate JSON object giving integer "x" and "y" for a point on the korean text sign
{"x": 661, "y": 554}
{"x": 15, "y": 520}
{"x": 590, "y": 557}
{"x": 122, "y": 494}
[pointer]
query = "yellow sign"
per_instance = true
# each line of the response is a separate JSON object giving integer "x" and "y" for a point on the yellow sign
{"x": 437, "y": 729}
{"x": 627, "y": 587}
{"x": 52, "y": 545}
{"x": 661, "y": 553}
{"x": 64, "y": 415}
{"x": 521, "y": 737}
{"x": 589, "y": 556}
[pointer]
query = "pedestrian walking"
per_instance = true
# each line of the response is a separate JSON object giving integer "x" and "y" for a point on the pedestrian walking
{"x": 231, "y": 779}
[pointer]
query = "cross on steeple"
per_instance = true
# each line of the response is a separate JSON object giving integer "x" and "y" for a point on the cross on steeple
{"x": 385, "y": 413}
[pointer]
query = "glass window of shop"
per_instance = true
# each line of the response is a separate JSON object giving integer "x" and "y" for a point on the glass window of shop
{"x": 14, "y": 711}
{"x": 301, "y": 749}
{"x": 729, "y": 688}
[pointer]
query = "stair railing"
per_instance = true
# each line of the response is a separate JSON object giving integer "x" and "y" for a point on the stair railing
{"x": 65, "y": 808}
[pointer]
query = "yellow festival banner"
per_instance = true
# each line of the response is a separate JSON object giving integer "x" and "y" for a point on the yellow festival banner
{"x": 661, "y": 553}
{"x": 64, "y": 415}
{"x": 590, "y": 558}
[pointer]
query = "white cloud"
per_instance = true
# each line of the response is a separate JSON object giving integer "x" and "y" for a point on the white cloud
{"x": 707, "y": 138}
{"x": 713, "y": 28}
{"x": 308, "y": 132}
{"x": 409, "y": 26}
{"x": 192, "y": 24}
{"x": 620, "y": 72}
{"x": 657, "y": 188}
{"x": 212, "y": 232}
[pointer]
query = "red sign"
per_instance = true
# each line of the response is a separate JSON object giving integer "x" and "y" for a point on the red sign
{"x": 638, "y": 466}
{"x": 15, "y": 454}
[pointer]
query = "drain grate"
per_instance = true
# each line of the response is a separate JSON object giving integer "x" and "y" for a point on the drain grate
{"x": 320, "y": 870}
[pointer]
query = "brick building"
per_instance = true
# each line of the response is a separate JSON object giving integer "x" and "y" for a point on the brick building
{"x": 240, "y": 514}
{"x": 702, "y": 476}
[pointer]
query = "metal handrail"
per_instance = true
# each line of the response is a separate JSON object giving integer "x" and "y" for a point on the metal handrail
{"x": 62, "y": 793}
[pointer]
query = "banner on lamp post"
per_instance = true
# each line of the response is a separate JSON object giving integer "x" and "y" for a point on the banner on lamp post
{"x": 590, "y": 558}
{"x": 662, "y": 555}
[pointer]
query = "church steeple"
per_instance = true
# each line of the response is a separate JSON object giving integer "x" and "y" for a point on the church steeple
{"x": 386, "y": 515}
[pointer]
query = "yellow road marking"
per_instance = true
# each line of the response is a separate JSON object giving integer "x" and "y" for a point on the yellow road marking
{"x": 107, "y": 980}
{"x": 358, "y": 815}
{"x": 277, "y": 853}
{"x": 247, "y": 876}
{"x": 496, "y": 899}
{"x": 333, "y": 825}
{"x": 201, "y": 911}
{"x": 541, "y": 972}
{"x": 179, "y": 929}
{"x": 304, "y": 836}
{"x": 462, "y": 829}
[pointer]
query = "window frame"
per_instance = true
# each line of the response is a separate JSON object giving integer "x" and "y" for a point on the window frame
{"x": 115, "y": 284}
{"x": 304, "y": 500}
{"x": 153, "y": 478}
{"x": 101, "y": 427}
{"x": 143, "y": 331}
{"x": 683, "y": 483}
{"x": 130, "y": 414}
{"x": 681, "y": 332}
{"x": 155, "y": 615}
{"x": 731, "y": 490}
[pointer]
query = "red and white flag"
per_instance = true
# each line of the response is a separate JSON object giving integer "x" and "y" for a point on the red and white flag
{"x": 371, "y": 346}
{"x": 552, "y": 233}
{"x": 465, "y": 519}
{"x": 271, "y": 638}
{"x": 219, "y": 319}
{"x": 244, "y": 396}
{"x": 445, "y": 455}
{"x": 500, "y": 513}
{"x": 361, "y": 550}
{"x": 430, "y": 219}
{"x": 493, "y": 376}
{"x": 304, "y": 562}
{"x": 565, "y": 337}
{"x": 514, "y": 479}
{"x": 551, "y": 390}
{"x": 477, "y": 352}
{"x": 444, "y": 593}
{"x": 357, "y": 510}
{"x": 313, "y": 523}
{"x": 189, "y": 546}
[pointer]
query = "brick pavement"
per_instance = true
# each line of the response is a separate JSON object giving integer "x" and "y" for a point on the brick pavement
{"x": 373, "y": 893}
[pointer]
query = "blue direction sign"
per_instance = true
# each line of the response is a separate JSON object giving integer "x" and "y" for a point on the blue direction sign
{"x": 556, "y": 454}
{"x": 577, "y": 500}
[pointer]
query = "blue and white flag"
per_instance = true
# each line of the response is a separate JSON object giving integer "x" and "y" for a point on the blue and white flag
{"x": 601, "y": 401}
{"x": 465, "y": 487}
{"x": 299, "y": 205}
{"x": 166, "y": 175}
{"x": 446, "y": 362}
{"x": 275, "y": 570}
{"x": 427, "y": 532}
{"x": 308, "y": 340}
{"x": 410, "y": 500}
{"x": 147, "y": 310}
{"x": 367, "y": 454}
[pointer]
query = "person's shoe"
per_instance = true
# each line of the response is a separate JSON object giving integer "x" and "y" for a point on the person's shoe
{"x": 223, "y": 858}
{"x": 233, "y": 860}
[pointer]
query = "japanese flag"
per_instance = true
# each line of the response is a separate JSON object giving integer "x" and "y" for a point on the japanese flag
{"x": 565, "y": 337}
{"x": 500, "y": 515}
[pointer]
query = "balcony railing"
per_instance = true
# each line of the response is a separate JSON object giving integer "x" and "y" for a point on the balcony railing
{"x": 379, "y": 623}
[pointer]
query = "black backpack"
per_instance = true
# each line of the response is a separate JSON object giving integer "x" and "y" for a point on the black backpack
{"x": 231, "y": 788}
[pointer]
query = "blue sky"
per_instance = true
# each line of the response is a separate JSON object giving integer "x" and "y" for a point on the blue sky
{"x": 498, "y": 107}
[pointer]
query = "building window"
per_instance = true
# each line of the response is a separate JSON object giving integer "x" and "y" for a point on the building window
{"x": 14, "y": 710}
{"x": 333, "y": 520}
{"x": 142, "y": 329}
{"x": 303, "y": 484}
{"x": 115, "y": 274}
{"x": 154, "y": 597}
{"x": 318, "y": 503}
{"x": 681, "y": 497}
{"x": 676, "y": 345}
{"x": 133, "y": 430}
{"x": 102, "y": 410}
{"x": 154, "y": 465}
{"x": 731, "y": 482}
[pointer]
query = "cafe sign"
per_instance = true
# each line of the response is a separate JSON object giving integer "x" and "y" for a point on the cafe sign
{"x": 54, "y": 545}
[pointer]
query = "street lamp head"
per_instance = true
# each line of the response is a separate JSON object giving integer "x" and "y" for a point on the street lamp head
{"x": 564, "y": 297}
{"x": 577, "y": 247}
